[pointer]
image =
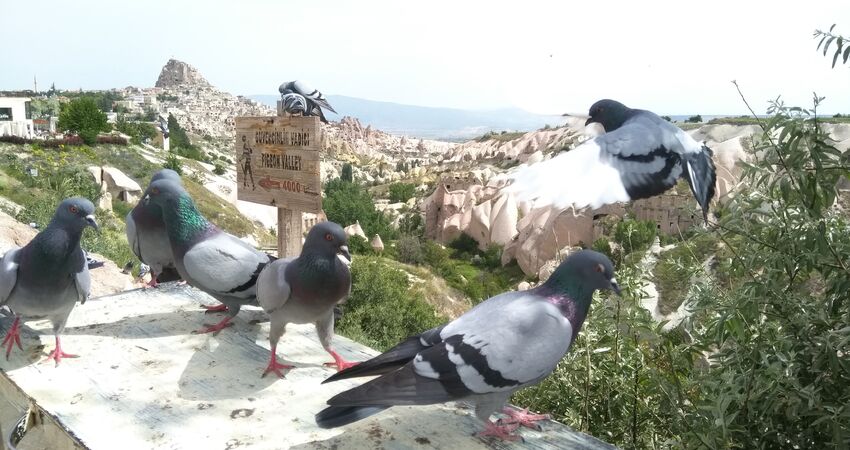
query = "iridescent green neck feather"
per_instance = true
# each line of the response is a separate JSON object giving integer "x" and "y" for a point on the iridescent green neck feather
{"x": 184, "y": 222}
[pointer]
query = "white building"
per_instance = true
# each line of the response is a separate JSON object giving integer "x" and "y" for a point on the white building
{"x": 16, "y": 117}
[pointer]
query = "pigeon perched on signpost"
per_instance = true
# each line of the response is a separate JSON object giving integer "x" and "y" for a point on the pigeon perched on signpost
{"x": 306, "y": 289}
{"x": 640, "y": 155}
{"x": 209, "y": 259}
{"x": 315, "y": 101}
{"x": 47, "y": 277}
{"x": 500, "y": 346}
{"x": 147, "y": 237}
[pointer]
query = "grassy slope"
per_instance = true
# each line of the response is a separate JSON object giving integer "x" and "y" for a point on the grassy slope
{"x": 39, "y": 202}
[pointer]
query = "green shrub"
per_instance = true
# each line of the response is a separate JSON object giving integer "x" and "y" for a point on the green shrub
{"x": 173, "y": 162}
{"x": 409, "y": 250}
{"x": 359, "y": 246}
{"x": 401, "y": 192}
{"x": 635, "y": 235}
{"x": 346, "y": 203}
{"x": 219, "y": 168}
{"x": 82, "y": 116}
{"x": 347, "y": 173}
{"x": 383, "y": 309}
{"x": 464, "y": 244}
{"x": 694, "y": 119}
{"x": 411, "y": 223}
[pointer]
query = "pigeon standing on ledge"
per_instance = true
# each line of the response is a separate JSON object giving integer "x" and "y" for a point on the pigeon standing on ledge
{"x": 640, "y": 155}
{"x": 218, "y": 263}
{"x": 47, "y": 277}
{"x": 147, "y": 236}
{"x": 314, "y": 99}
{"x": 506, "y": 343}
{"x": 306, "y": 289}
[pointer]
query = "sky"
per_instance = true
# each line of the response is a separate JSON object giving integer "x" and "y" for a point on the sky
{"x": 671, "y": 57}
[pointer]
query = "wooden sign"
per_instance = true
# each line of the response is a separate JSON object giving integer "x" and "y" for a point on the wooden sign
{"x": 278, "y": 162}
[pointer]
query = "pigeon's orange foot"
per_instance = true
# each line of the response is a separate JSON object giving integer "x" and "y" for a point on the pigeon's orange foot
{"x": 13, "y": 336}
{"x": 504, "y": 432}
{"x": 523, "y": 418}
{"x": 181, "y": 283}
{"x": 152, "y": 283}
{"x": 213, "y": 309}
{"x": 339, "y": 362}
{"x": 215, "y": 328}
{"x": 57, "y": 354}
{"x": 276, "y": 367}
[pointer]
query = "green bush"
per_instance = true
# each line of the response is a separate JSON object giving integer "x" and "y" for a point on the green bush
{"x": 359, "y": 246}
{"x": 401, "y": 192}
{"x": 347, "y": 173}
{"x": 411, "y": 223}
{"x": 83, "y": 117}
{"x": 694, "y": 119}
{"x": 219, "y": 168}
{"x": 383, "y": 309}
{"x": 173, "y": 162}
{"x": 409, "y": 250}
{"x": 346, "y": 203}
{"x": 635, "y": 235}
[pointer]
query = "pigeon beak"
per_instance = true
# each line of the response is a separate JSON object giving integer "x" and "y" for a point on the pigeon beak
{"x": 589, "y": 121}
{"x": 91, "y": 222}
{"x": 146, "y": 200}
{"x": 615, "y": 287}
{"x": 343, "y": 250}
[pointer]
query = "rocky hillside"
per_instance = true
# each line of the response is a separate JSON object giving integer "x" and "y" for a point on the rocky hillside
{"x": 472, "y": 202}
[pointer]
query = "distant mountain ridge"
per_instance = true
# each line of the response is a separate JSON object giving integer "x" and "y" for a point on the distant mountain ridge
{"x": 429, "y": 122}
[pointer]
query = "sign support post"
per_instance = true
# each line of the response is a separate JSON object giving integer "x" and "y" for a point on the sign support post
{"x": 279, "y": 165}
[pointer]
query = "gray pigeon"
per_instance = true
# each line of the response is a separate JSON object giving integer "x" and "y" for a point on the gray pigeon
{"x": 315, "y": 100}
{"x": 306, "y": 289}
{"x": 640, "y": 155}
{"x": 500, "y": 346}
{"x": 47, "y": 277}
{"x": 209, "y": 259}
{"x": 294, "y": 103}
{"x": 147, "y": 237}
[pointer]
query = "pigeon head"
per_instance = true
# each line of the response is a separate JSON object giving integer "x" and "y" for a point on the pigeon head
{"x": 609, "y": 113}
{"x": 294, "y": 103}
{"x": 589, "y": 269}
{"x": 327, "y": 239}
{"x": 166, "y": 174}
{"x": 75, "y": 213}
{"x": 165, "y": 193}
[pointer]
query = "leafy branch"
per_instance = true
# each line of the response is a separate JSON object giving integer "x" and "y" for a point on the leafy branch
{"x": 827, "y": 38}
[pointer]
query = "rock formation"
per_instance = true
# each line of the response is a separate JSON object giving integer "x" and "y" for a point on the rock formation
{"x": 177, "y": 73}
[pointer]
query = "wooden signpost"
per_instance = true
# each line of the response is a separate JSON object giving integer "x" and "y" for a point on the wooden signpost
{"x": 278, "y": 165}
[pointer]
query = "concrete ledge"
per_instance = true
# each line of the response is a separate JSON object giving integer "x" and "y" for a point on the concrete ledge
{"x": 144, "y": 382}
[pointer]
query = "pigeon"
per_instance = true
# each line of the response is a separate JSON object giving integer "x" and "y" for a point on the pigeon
{"x": 294, "y": 103}
{"x": 640, "y": 155}
{"x": 500, "y": 346}
{"x": 147, "y": 237}
{"x": 307, "y": 288}
{"x": 47, "y": 277}
{"x": 218, "y": 263}
{"x": 314, "y": 99}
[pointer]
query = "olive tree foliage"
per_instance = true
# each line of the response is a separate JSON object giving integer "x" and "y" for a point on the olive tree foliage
{"x": 763, "y": 360}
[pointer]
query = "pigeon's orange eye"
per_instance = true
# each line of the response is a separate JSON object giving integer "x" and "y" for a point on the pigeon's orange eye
{"x": 329, "y": 237}
{"x": 155, "y": 191}
{"x": 600, "y": 268}
{"x": 73, "y": 209}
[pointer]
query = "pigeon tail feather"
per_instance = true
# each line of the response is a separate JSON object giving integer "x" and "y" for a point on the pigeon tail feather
{"x": 386, "y": 362}
{"x": 337, "y": 416}
{"x": 701, "y": 177}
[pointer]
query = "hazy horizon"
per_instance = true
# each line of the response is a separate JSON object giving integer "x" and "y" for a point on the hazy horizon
{"x": 668, "y": 57}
